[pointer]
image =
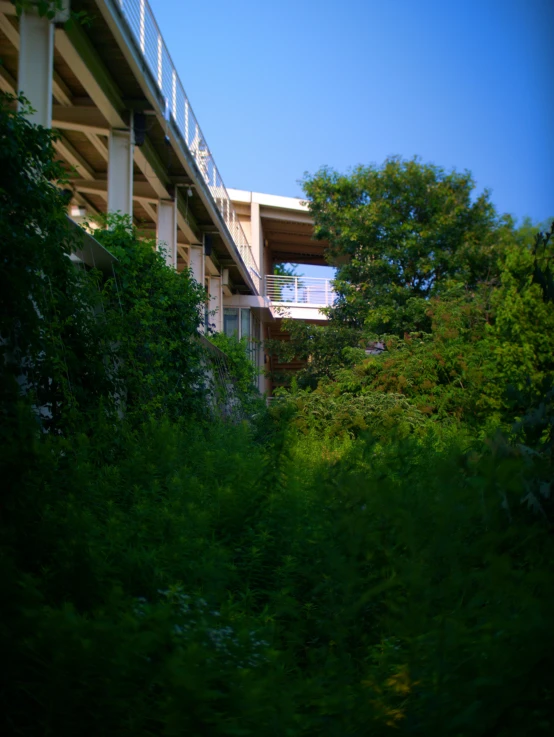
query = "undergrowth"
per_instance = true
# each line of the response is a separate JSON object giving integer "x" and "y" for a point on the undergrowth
{"x": 341, "y": 565}
{"x": 186, "y": 579}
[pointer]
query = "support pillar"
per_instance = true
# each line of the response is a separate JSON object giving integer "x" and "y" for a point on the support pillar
{"x": 216, "y": 303}
{"x": 197, "y": 263}
{"x": 36, "y": 65}
{"x": 120, "y": 171}
{"x": 167, "y": 230}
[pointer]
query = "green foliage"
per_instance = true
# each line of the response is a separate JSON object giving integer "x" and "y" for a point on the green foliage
{"x": 152, "y": 314}
{"x": 170, "y": 582}
{"x": 241, "y": 367}
{"x": 323, "y": 348}
{"x": 286, "y": 270}
{"x": 349, "y": 565}
{"x": 333, "y": 412}
{"x": 52, "y": 344}
{"x": 399, "y": 233}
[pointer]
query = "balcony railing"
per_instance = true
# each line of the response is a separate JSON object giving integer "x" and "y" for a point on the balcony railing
{"x": 142, "y": 23}
{"x": 304, "y": 291}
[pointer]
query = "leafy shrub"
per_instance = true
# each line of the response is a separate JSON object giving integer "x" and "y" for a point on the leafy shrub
{"x": 342, "y": 567}
{"x": 242, "y": 368}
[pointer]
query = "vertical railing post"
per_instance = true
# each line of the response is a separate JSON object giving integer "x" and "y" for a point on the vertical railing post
{"x": 160, "y": 62}
{"x": 187, "y": 122}
{"x": 142, "y": 26}
{"x": 296, "y": 289}
{"x": 174, "y": 93}
{"x": 326, "y": 293}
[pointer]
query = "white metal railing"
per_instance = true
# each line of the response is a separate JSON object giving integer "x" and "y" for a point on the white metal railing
{"x": 142, "y": 23}
{"x": 299, "y": 290}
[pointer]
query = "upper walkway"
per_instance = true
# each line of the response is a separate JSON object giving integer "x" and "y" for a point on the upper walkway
{"x": 129, "y": 138}
{"x": 130, "y": 142}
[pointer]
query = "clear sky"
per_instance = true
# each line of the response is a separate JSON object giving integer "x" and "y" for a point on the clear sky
{"x": 281, "y": 88}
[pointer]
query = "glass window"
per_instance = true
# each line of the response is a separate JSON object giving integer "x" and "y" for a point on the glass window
{"x": 245, "y": 324}
{"x": 231, "y": 321}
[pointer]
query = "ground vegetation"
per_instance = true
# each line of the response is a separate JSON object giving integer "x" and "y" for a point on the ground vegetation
{"x": 347, "y": 563}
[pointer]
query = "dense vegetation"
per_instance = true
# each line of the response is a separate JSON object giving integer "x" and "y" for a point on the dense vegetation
{"x": 372, "y": 557}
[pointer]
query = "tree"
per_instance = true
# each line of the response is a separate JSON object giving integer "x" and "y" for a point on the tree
{"x": 286, "y": 270}
{"x": 399, "y": 234}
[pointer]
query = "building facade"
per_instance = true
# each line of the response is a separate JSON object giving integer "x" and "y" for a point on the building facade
{"x": 130, "y": 143}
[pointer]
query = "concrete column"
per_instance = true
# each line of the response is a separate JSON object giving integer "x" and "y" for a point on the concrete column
{"x": 120, "y": 171}
{"x": 197, "y": 263}
{"x": 36, "y": 65}
{"x": 216, "y": 303}
{"x": 167, "y": 230}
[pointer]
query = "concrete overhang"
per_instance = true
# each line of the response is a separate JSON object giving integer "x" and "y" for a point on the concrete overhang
{"x": 112, "y": 14}
{"x": 259, "y": 304}
{"x": 269, "y": 200}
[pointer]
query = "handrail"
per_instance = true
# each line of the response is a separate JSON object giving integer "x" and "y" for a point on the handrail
{"x": 144, "y": 28}
{"x": 300, "y": 290}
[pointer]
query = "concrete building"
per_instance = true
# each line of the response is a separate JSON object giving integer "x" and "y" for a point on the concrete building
{"x": 131, "y": 143}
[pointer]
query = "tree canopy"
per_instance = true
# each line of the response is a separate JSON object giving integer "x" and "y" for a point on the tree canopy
{"x": 399, "y": 233}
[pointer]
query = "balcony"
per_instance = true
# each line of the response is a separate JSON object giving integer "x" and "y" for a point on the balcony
{"x": 299, "y": 297}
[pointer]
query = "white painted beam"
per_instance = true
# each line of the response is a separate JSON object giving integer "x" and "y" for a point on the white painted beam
{"x": 120, "y": 171}
{"x": 7, "y": 82}
{"x": 149, "y": 208}
{"x": 7, "y": 8}
{"x": 98, "y": 144}
{"x": 9, "y": 31}
{"x": 186, "y": 230}
{"x": 142, "y": 192}
{"x": 78, "y": 197}
{"x": 61, "y": 91}
{"x": 82, "y": 119}
{"x": 87, "y": 78}
{"x": 166, "y": 232}
{"x": 184, "y": 251}
{"x": 74, "y": 158}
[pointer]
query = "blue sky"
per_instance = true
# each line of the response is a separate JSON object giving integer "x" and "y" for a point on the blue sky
{"x": 281, "y": 88}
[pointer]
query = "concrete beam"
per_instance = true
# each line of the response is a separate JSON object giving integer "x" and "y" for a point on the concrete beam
{"x": 184, "y": 252}
{"x": 142, "y": 191}
{"x": 83, "y": 119}
{"x": 7, "y": 8}
{"x": 7, "y": 82}
{"x": 74, "y": 158}
{"x": 9, "y": 31}
{"x": 150, "y": 209}
{"x": 61, "y": 91}
{"x": 149, "y": 163}
{"x": 78, "y": 52}
{"x": 81, "y": 200}
{"x": 98, "y": 144}
{"x": 185, "y": 221}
